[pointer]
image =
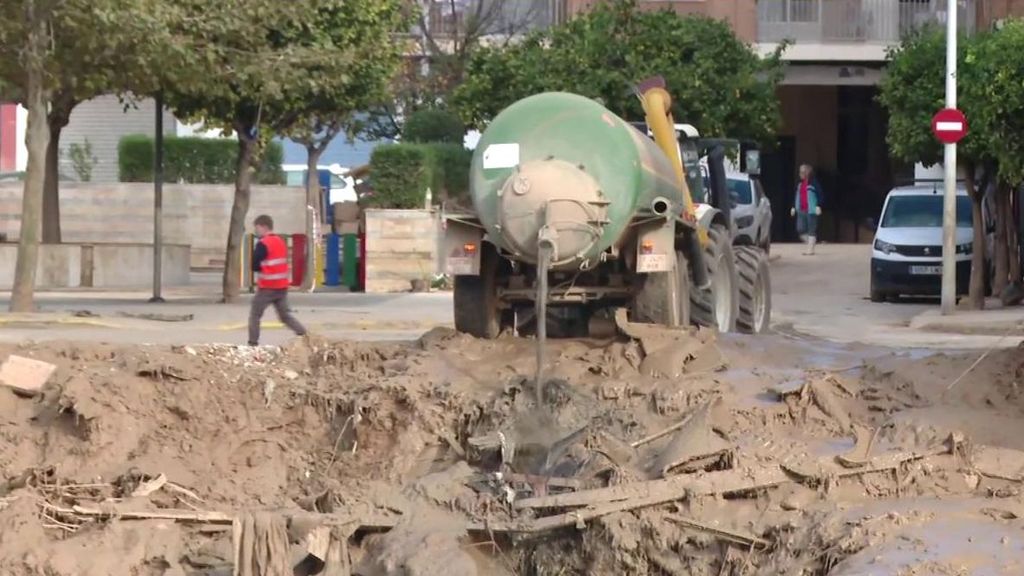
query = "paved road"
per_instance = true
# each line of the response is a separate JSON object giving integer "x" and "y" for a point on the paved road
{"x": 816, "y": 297}
{"x": 826, "y": 296}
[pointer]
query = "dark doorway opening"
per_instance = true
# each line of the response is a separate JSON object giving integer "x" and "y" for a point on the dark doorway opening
{"x": 778, "y": 177}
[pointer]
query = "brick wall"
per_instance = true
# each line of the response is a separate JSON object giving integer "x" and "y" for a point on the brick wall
{"x": 401, "y": 246}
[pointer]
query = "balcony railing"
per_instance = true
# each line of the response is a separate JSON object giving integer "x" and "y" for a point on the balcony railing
{"x": 853, "y": 21}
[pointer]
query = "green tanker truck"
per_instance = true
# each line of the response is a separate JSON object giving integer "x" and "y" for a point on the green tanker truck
{"x": 575, "y": 208}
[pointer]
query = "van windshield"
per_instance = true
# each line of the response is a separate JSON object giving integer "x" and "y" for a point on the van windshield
{"x": 924, "y": 211}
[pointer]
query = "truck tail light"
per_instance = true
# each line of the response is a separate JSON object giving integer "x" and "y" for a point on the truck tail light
{"x": 469, "y": 249}
{"x": 646, "y": 247}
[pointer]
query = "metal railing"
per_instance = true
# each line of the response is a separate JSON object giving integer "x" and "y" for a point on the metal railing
{"x": 854, "y": 21}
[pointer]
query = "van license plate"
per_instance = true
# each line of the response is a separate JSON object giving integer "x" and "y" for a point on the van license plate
{"x": 926, "y": 270}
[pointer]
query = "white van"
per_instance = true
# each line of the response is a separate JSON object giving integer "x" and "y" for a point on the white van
{"x": 906, "y": 258}
{"x": 343, "y": 187}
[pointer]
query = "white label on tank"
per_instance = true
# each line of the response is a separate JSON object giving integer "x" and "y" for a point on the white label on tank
{"x": 501, "y": 156}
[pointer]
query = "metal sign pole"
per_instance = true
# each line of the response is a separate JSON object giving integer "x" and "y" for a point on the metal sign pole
{"x": 949, "y": 163}
{"x": 158, "y": 200}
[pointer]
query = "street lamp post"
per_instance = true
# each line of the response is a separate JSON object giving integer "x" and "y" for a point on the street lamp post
{"x": 949, "y": 164}
{"x": 158, "y": 200}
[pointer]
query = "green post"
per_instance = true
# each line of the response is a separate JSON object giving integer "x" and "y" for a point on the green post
{"x": 349, "y": 257}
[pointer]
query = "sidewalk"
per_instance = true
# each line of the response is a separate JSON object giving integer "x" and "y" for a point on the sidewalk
{"x": 195, "y": 315}
{"x": 993, "y": 321}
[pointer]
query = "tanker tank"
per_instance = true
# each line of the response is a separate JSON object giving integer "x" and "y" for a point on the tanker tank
{"x": 564, "y": 166}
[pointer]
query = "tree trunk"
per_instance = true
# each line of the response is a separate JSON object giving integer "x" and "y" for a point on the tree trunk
{"x": 37, "y": 137}
{"x": 1001, "y": 256}
{"x": 51, "y": 188}
{"x": 312, "y": 200}
{"x": 239, "y": 209}
{"x": 1012, "y": 242}
{"x": 976, "y": 291}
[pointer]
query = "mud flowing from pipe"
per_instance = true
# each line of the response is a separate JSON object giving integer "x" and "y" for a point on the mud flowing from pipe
{"x": 544, "y": 251}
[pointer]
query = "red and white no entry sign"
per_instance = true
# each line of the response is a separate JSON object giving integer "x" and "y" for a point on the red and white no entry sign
{"x": 949, "y": 125}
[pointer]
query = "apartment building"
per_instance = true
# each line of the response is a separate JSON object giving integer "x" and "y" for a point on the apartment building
{"x": 830, "y": 116}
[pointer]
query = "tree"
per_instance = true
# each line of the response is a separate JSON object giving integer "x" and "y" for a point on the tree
{"x": 98, "y": 47}
{"x": 332, "y": 106}
{"x": 913, "y": 90}
{"x": 447, "y": 35}
{"x": 996, "y": 64}
{"x": 277, "y": 64}
{"x": 34, "y": 34}
{"x": 718, "y": 83}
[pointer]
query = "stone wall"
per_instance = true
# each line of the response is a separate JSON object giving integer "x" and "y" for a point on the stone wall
{"x": 98, "y": 265}
{"x": 401, "y": 246}
{"x": 196, "y": 215}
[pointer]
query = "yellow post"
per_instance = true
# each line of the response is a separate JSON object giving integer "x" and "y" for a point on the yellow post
{"x": 318, "y": 262}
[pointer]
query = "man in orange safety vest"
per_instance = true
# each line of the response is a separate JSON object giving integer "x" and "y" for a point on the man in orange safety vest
{"x": 270, "y": 263}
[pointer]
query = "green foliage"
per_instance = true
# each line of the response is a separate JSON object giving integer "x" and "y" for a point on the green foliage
{"x": 996, "y": 77}
{"x": 193, "y": 160}
{"x": 401, "y": 175}
{"x": 989, "y": 82}
{"x": 82, "y": 160}
{"x": 434, "y": 125}
{"x": 717, "y": 82}
{"x": 451, "y": 163}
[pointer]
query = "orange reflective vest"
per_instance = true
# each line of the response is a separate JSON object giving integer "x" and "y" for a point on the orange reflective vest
{"x": 274, "y": 268}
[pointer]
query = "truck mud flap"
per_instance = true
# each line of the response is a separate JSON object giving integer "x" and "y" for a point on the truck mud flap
{"x": 463, "y": 243}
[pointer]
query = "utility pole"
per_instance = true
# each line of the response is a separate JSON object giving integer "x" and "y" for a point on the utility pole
{"x": 158, "y": 200}
{"x": 949, "y": 163}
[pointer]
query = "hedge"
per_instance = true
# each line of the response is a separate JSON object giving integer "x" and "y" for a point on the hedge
{"x": 433, "y": 125}
{"x": 401, "y": 174}
{"x": 194, "y": 160}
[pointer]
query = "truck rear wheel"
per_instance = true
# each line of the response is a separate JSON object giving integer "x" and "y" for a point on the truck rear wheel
{"x": 477, "y": 310}
{"x": 755, "y": 290}
{"x": 718, "y": 305}
{"x": 660, "y": 292}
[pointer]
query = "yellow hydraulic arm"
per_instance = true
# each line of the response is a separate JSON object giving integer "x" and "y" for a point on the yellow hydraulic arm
{"x": 657, "y": 105}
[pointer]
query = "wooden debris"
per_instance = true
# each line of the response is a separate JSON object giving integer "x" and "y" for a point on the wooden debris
{"x": 728, "y": 535}
{"x": 666, "y": 490}
{"x": 150, "y": 486}
{"x": 115, "y": 512}
{"x": 25, "y": 376}
{"x": 830, "y": 468}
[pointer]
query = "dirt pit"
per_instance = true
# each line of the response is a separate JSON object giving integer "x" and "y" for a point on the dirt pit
{"x": 713, "y": 457}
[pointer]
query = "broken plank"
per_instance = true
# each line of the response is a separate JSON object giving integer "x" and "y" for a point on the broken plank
{"x": 199, "y": 516}
{"x": 731, "y": 536}
{"x": 666, "y": 490}
{"x": 722, "y": 483}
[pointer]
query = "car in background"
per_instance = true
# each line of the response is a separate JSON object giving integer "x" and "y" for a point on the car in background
{"x": 751, "y": 210}
{"x": 906, "y": 257}
{"x": 342, "y": 189}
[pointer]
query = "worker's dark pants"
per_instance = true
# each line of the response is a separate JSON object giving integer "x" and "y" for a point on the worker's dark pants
{"x": 279, "y": 299}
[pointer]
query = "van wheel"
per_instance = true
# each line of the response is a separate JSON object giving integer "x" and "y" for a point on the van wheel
{"x": 877, "y": 295}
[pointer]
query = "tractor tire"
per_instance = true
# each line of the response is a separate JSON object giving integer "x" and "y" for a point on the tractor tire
{"x": 477, "y": 310}
{"x": 657, "y": 296}
{"x": 755, "y": 290}
{"x": 718, "y": 305}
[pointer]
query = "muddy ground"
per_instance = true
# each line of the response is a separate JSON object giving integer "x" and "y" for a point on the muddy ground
{"x": 646, "y": 456}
